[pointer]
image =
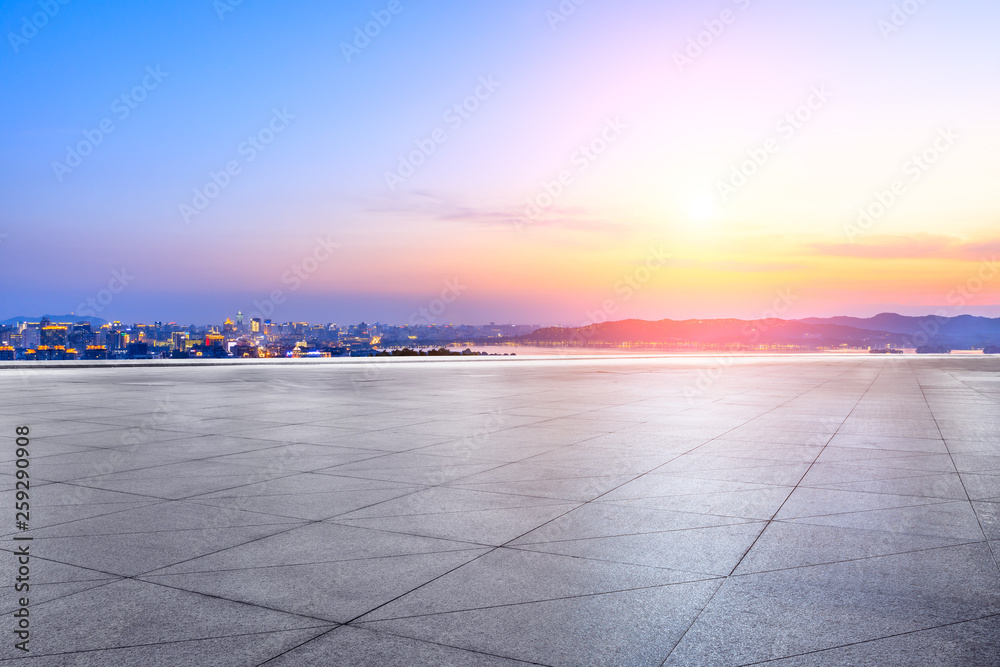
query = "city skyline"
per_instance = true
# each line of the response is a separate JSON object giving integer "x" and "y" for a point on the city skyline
{"x": 684, "y": 161}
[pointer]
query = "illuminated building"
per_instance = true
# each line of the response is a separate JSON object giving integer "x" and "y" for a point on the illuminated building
{"x": 95, "y": 352}
{"x": 53, "y": 335}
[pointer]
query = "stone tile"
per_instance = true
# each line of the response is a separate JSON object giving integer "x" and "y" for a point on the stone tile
{"x": 606, "y": 519}
{"x": 714, "y": 551}
{"x": 955, "y": 645}
{"x": 129, "y": 554}
{"x": 797, "y": 544}
{"x": 348, "y": 646}
{"x": 510, "y": 576}
{"x": 317, "y": 543}
{"x": 131, "y": 613}
{"x": 309, "y": 489}
{"x": 626, "y": 628}
{"x": 487, "y": 526}
{"x": 746, "y": 504}
{"x": 335, "y": 591}
{"x": 765, "y": 616}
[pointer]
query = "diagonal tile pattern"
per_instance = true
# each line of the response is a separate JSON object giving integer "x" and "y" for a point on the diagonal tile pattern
{"x": 800, "y": 510}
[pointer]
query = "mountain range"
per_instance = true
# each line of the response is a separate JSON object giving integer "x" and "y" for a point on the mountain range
{"x": 886, "y": 329}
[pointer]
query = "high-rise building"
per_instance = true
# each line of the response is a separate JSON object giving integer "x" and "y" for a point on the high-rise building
{"x": 53, "y": 335}
{"x": 255, "y": 325}
{"x": 31, "y": 337}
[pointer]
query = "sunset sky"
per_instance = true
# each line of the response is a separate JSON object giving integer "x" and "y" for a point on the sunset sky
{"x": 358, "y": 191}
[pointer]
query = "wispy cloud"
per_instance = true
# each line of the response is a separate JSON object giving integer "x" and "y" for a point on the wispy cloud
{"x": 917, "y": 246}
{"x": 430, "y": 206}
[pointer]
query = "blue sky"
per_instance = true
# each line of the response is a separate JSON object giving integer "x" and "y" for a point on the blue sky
{"x": 344, "y": 125}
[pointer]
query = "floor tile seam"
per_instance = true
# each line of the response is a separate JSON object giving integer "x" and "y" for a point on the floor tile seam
{"x": 806, "y": 522}
{"x": 760, "y": 486}
{"x": 860, "y": 559}
{"x": 158, "y": 573}
{"x": 142, "y": 496}
{"x": 697, "y": 616}
{"x": 706, "y": 576}
{"x": 742, "y": 522}
{"x": 875, "y": 509}
{"x": 868, "y": 641}
{"x": 490, "y": 550}
{"x": 300, "y": 645}
{"x": 551, "y": 502}
{"x": 989, "y": 545}
{"x": 44, "y": 538}
{"x": 561, "y": 598}
{"x": 425, "y": 487}
{"x": 168, "y": 643}
{"x": 420, "y": 641}
{"x": 624, "y": 503}
{"x": 877, "y": 493}
{"x": 309, "y": 493}
{"x": 165, "y": 465}
{"x": 217, "y": 551}
{"x": 35, "y": 530}
{"x": 223, "y": 598}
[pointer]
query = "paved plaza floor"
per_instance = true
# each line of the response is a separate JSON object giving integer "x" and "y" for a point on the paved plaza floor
{"x": 799, "y": 510}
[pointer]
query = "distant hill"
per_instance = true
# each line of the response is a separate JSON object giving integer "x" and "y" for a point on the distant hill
{"x": 75, "y": 319}
{"x": 961, "y": 330}
{"x": 887, "y": 329}
{"x": 724, "y": 333}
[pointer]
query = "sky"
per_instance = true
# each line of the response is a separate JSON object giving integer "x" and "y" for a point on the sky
{"x": 536, "y": 162}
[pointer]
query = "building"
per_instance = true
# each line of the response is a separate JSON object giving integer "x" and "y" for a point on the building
{"x": 31, "y": 337}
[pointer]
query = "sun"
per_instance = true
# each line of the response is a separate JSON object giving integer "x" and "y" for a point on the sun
{"x": 702, "y": 206}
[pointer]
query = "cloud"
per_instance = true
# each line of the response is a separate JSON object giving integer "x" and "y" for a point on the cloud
{"x": 917, "y": 246}
{"x": 737, "y": 266}
{"x": 427, "y": 205}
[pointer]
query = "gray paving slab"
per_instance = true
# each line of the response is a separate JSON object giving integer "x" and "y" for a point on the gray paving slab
{"x": 812, "y": 510}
